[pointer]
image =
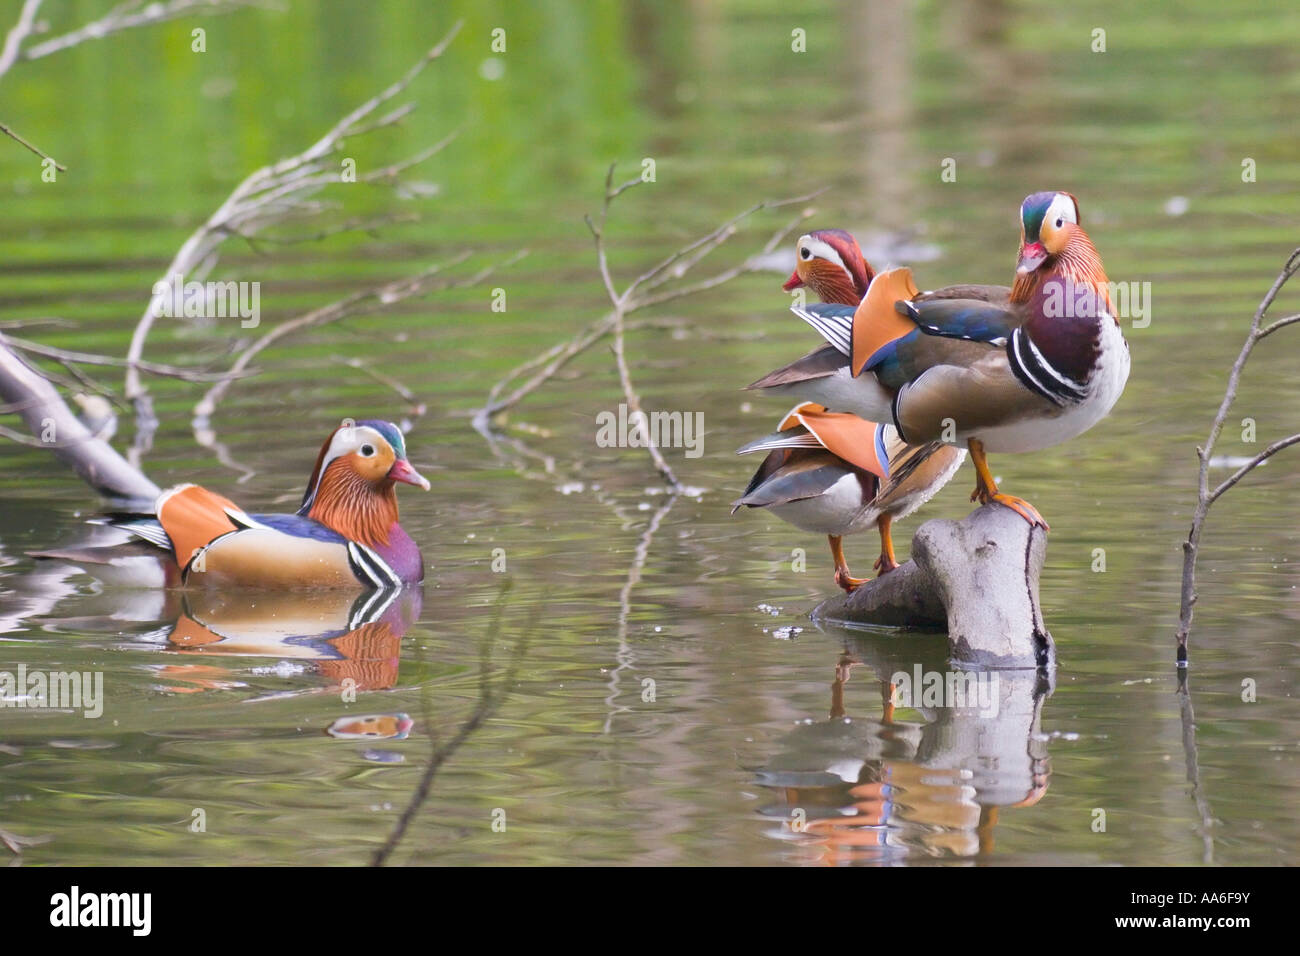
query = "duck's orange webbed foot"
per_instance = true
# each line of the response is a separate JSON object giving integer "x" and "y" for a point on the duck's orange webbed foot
{"x": 847, "y": 582}
{"x": 885, "y": 563}
{"x": 1021, "y": 507}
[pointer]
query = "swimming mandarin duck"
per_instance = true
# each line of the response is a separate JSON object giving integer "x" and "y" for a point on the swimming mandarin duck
{"x": 345, "y": 535}
{"x": 835, "y": 473}
{"x": 1017, "y": 374}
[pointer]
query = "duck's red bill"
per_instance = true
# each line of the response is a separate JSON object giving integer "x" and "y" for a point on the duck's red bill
{"x": 403, "y": 472}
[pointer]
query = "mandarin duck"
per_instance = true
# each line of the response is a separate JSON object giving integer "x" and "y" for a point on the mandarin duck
{"x": 835, "y": 473}
{"x": 1015, "y": 373}
{"x": 345, "y": 534}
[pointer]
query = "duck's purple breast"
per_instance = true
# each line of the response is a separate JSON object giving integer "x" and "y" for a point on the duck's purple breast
{"x": 402, "y": 554}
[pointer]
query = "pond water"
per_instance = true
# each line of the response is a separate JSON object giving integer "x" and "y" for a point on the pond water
{"x": 658, "y": 693}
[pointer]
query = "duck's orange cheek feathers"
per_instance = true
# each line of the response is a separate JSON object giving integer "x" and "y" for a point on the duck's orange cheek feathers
{"x": 374, "y": 468}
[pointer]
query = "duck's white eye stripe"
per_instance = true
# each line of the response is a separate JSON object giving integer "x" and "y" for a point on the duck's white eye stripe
{"x": 1061, "y": 211}
{"x": 346, "y": 440}
{"x": 824, "y": 250}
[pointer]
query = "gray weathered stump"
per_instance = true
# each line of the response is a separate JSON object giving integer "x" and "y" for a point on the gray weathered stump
{"x": 977, "y": 577}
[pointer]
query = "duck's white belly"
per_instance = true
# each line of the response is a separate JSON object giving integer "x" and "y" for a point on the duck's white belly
{"x": 838, "y": 510}
{"x": 1104, "y": 389}
{"x": 841, "y": 392}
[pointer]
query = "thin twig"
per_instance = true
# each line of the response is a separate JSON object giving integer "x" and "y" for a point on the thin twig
{"x": 129, "y": 15}
{"x": 17, "y": 843}
{"x": 92, "y": 358}
{"x": 33, "y": 147}
{"x": 364, "y": 302}
{"x": 619, "y": 301}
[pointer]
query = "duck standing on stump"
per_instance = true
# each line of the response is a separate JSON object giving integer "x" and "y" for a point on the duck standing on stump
{"x": 345, "y": 535}
{"x": 834, "y": 473}
{"x": 964, "y": 365}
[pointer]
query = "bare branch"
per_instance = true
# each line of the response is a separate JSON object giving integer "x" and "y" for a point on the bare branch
{"x": 491, "y": 694}
{"x": 130, "y": 14}
{"x": 1280, "y": 323}
{"x": 1205, "y": 453}
{"x": 17, "y": 34}
{"x": 122, "y": 17}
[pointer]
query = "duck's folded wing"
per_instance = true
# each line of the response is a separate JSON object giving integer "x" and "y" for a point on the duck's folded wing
{"x": 959, "y": 332}
{"x": 805, "y": 477}
{"x": 877, "y": 322}
{"x": 819, "y": 363}
{"x": 985, "y": 293}
{"x": 975, "y": 320}
{"x": 833, "y": 322}
{"x": 967, "y": 397}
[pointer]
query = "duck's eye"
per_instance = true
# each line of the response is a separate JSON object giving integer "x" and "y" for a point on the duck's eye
{"x": 805, "y": 253}
{"x": 367, "y": 451}
{"x": 1060, "y": 221}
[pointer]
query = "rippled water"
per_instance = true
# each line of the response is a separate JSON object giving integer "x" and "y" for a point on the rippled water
{"x": 660, "y": 694}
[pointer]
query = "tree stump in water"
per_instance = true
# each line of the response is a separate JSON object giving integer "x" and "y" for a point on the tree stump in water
{"x": 977, "y": 577}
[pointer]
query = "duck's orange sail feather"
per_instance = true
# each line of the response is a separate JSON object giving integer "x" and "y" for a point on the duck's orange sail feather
{"x": 851, "y": 438}
{"x": 193, "y": 518}
{"x": 876, "y": 323}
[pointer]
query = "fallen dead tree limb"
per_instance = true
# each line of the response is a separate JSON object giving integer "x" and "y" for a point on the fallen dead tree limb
{"x": 31, "y": 396}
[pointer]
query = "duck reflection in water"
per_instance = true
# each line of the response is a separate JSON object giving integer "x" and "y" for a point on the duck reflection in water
{"x": 854, "y": 789}
{"x": 354, "y": 642}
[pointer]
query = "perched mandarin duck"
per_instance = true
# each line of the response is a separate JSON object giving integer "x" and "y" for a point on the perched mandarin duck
{"x": 345, "y": 534}
{"x": 837, "y": 474}
{"x": 1018, "y": 374}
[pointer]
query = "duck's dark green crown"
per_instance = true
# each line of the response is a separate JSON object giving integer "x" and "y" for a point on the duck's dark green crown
{"x": 1032, "y": 211}
{"x": 391, "y": 432}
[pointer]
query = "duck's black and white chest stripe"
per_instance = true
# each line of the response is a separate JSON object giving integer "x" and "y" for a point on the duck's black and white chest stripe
{"x": 1036, "y": 373}
{"x": 370, "y": 568}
